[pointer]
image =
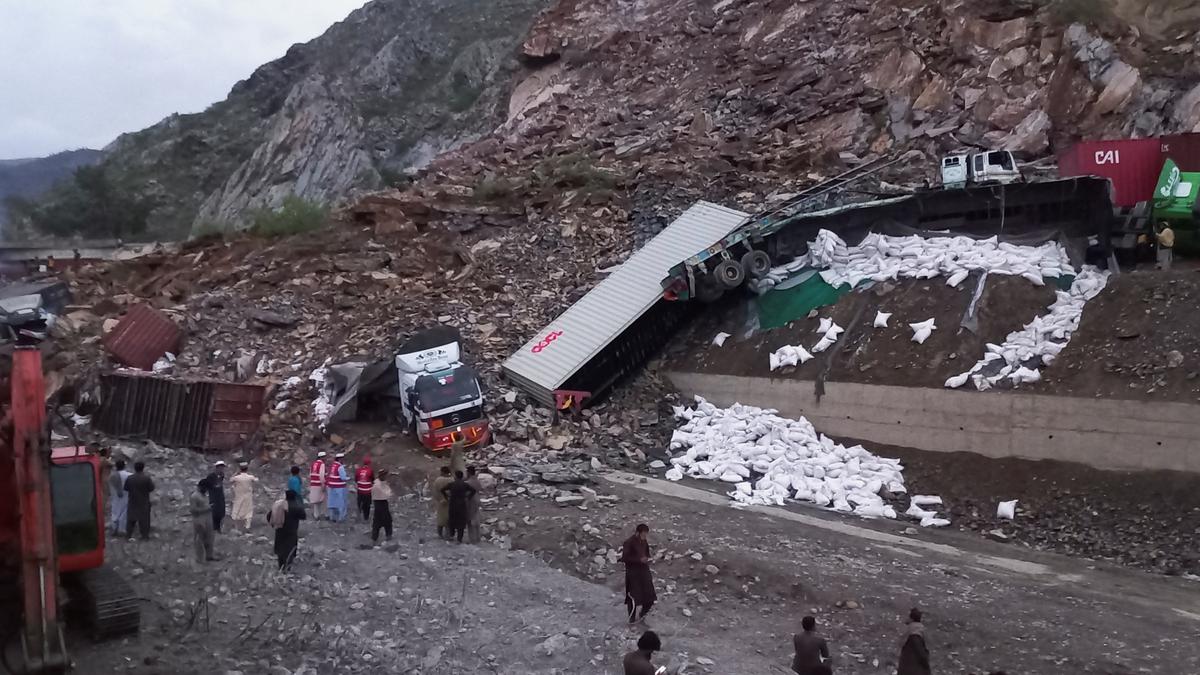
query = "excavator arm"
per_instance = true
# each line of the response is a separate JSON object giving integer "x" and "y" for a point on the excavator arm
{"x": 42, "y": 635}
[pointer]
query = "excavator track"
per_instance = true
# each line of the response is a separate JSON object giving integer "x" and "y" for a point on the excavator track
{"x": 107, "y": 603}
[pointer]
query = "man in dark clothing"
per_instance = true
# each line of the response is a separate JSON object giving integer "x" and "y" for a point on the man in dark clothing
{"x": 216, "y": 494}
{"x": 639, "y": 583}
{"x": 914, "y": 654}
{"x": 139, "y": 486}
{"x": 285, "y": 517}
{"x": 458, "y": 496}
{"x": 811, "y": 650}
{"x": 638, "y": 662}
{"x": 474, "y": 506}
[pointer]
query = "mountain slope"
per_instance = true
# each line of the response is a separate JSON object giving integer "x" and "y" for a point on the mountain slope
{"x": 382, "y": 91}
{"x": 31, "y": 177}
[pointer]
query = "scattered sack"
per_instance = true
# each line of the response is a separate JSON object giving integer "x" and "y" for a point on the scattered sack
{"x": 934, "y": 521}
{"x": 922, "y": 330}
{"x": 881, "y": 319}
{"x": 826, "y": 324}
{"x": 1007, "y": 510}
{"x": 720, "y": 339}
{"x": 927, "y": 500}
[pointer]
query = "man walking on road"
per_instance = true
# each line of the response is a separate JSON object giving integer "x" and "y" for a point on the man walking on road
{"x": 202, "y": 522}
{"x": 138, "y": 487}
{"x": 474, "y": 506}
{"x": 216, "y": 494}
{"x": 811, "y": 650}
{"x": 118, "y": 498}
{"x": 639, "y": 582}
{"x": 638, "y": 662}
{"x": 243, "y": 496}
{"x": 458, "y": 497}
{"x": 381, "y": 492}
{"x": 914, "y": 654}
{"x": 316, "y": 486}
{"x": 285, "y": 517}
{"x": 440, "y": 505}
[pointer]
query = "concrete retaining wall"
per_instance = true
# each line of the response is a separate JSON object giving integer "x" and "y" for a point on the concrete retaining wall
{"x": 1104, "y": 433}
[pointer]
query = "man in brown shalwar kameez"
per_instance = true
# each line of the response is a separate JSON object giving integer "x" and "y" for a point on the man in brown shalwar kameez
{"x": 639, "y": 583}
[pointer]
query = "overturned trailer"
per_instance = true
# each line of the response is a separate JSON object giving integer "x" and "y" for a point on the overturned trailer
{"x": 1074, "y": 209}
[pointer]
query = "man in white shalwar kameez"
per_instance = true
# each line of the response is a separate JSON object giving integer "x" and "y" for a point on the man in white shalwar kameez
{"x": 118, "y": 499}
{"x": 243, "y": 496}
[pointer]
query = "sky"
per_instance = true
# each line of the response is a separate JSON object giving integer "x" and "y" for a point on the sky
{"x": 77, "y": 73}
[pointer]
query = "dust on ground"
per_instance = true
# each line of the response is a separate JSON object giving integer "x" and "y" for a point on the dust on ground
{"x": 732, "y": 586}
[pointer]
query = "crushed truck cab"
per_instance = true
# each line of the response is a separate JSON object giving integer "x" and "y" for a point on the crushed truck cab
{"x": 441, "y": 396}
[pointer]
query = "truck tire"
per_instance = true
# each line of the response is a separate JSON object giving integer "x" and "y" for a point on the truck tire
{"x": 756, "y": 264}
{"x": 729, "y": 274}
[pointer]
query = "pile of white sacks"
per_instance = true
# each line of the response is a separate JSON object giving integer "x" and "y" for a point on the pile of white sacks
{"x": 1039, "y": 342}
{"x": 880, "y": 257}
{"x": 791, "y": 458}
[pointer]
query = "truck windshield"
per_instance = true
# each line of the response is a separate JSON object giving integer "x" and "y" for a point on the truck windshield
{"x": 437, "y": 392}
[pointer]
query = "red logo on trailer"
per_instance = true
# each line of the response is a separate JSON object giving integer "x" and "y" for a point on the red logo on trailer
{"x": 551, "y": 337}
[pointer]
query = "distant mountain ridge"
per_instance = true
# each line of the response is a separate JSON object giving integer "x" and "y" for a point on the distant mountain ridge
{"x": 31, "y": 177}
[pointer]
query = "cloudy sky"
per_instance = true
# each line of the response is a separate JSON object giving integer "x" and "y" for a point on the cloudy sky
{"x": 76, "y": 73}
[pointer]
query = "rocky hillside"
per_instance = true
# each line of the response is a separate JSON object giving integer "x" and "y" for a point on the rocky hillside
{"x": 386, "y": 89}
{"x": 29, "y": 178}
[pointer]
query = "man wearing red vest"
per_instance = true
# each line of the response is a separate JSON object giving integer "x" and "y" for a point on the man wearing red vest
{"x": 364, "y": 478}
{"x": 316, "y": 486}
{"x": 335, "y": 487}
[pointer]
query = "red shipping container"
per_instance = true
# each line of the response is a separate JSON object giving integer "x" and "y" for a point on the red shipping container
{"x": 143, "y": 335}
{"x": 1131, "y": 164}
{"x": 1184, "y": 149}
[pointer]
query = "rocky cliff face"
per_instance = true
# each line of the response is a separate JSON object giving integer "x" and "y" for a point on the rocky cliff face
{"x": 387, "y": 89}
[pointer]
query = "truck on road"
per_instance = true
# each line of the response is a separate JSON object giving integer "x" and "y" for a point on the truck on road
{"x": 441, "y": 396}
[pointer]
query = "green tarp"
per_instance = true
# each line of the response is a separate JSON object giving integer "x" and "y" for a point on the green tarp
{"x": 778, "y": 306}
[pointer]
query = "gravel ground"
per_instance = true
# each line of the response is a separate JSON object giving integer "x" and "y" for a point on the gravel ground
{"x": 551, "y": 605}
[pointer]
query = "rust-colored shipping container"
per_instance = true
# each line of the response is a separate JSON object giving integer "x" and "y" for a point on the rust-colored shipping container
{"x": 1183, "y": 149}
{"x": 203, "y": 414}
{"x": 1132, "y": 164}
{"x": 142, "y": 336}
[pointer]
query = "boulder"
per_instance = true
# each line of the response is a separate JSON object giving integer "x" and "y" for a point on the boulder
{"x": 1185, "y": 114}
{"x": 1123, "y": 82}
{"x": 899, "y": 73}
{"x": 936, "y": 95}
{"x": 1031, "y": 137}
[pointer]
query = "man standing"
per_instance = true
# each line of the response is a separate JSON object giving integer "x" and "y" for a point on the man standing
{"x": 316, "y": 486}
{"x": 106, "y": 472}
{"x": 811, "y": 649}
{"x": 243, "y": 496}
{"x": 474, "y": 506}
{"x": 458, "y": 497}
{"x": 285, "y": 517}
{"x": 202, "y": 522}
{"x": 118, "y": 498}
{"x": 335, "y": 489}
{"x": 296, "y": 484}
{"x": 440, "y": 505}
{"x": 639, "y": 583}
{"x": 381, "y": 492}
{"x": 458, "y": 462}
{"x": 1166, "y": 246}
{"x": 638, "y": 662}
{"x": 216, "y": 494}
{"x": 914, "y": 654}
{"x": 364, "y": 479}
{"x": 138, "y": 486}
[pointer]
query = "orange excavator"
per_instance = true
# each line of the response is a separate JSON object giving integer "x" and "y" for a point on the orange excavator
{"x": 52, "y": 531}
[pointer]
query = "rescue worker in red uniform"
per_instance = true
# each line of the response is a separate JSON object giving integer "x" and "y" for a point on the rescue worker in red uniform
{"x": 316, "y": 486}
{"x": 335, "y": 489}
{"x": 364, "y": 479}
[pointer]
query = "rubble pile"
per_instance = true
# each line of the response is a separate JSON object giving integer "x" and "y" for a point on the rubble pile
{"x": 770, "y": 459}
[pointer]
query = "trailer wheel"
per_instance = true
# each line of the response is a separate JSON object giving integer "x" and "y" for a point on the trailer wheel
{"x": 729, "y": 273}
{"x": 756, "y": 264}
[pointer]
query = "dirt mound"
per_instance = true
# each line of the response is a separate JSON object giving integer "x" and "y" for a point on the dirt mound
{"x": 1139, "y": 339}
{"x": 873, "y": 355}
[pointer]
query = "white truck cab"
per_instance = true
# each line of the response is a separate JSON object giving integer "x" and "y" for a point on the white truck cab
{"x": 441, "y": 397}
{"x": 994, "y": 166}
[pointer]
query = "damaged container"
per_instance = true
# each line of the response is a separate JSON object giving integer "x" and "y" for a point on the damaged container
{"x": 203, "y": 414}
{"x": 142, "y": 336}
{"x": 1132, "y": 164}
